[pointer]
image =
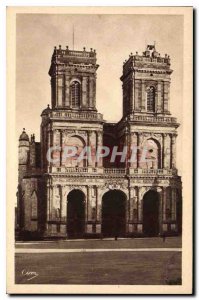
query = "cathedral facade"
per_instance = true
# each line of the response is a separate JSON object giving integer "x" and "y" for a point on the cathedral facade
{"x": 67, "y": 198}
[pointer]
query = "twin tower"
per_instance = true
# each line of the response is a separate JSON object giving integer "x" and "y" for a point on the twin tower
{"x": 146, "y": 81}
{"x": 68, "y": 198}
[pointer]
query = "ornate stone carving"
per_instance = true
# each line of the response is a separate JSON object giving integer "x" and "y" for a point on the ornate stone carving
{"x": 135, "y": 128}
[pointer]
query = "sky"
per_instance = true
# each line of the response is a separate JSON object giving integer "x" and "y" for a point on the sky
{"x": 114, "y": 37}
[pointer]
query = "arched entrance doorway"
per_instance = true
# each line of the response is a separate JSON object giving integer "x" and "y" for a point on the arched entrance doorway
{"x": 75, "y": 214}
{"x": 113, "y": 213}
{"x": 151, "y": 213}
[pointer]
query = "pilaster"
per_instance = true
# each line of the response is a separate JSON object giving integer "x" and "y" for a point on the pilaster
{"x": 67, "y": 91}
{"x": 159, "y": 108}
{"x": 90, "y": 92}
{"x": 173, "y": 151}
{"x": 143, "y": 105}
{"x": 84, "y": 92}
{"x": 164, "y": 202}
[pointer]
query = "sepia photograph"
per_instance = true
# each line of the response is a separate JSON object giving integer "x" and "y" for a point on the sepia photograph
{"x": 100, "y": 111}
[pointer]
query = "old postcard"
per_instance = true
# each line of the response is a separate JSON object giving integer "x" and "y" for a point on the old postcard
{"x": 99, "y": 157}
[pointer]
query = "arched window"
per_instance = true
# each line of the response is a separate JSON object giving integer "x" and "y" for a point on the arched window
{"x": 151, "y": 99}
{"x": 75, "y": 94}
{"x": 78, "y": 144}
{"x": 152, "y": 155}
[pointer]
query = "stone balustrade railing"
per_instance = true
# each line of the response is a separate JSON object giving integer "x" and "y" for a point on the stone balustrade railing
{"x": 157, "y": 119}
{"x": 152, "y": 171}
{"x": 112, "y": 171}
{"x": 162, "y": 60}
{"x": 141, "y": 58}
{"x": 70, "y": 170}
{"x": 74, "y": 115}
{"x": 67, "y": 52}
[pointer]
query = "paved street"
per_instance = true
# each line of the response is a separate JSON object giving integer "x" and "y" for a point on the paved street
{"x": 126, "y": 261}
{"x": 156, "y": 242}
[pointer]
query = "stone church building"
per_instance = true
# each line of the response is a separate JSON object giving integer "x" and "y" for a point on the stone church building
{"x": 70, "y": 199}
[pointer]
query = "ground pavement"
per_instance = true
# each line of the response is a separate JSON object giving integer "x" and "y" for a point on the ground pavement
{"x": 125, "y": 261}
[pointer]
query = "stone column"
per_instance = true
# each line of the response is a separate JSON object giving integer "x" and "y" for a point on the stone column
{"x": 140, "y": 210}
{"x": 139, "y": 200}
{"x": 60, "y": 197}
{"x": 133, "y": 150}
{"x": 138, "y": 150}
{"x": 47, "y": 144}
{"x": 143, "y": 106}
{"x": 160, "y": 192}
{"x": 90, "y": 102}
{"x": 89, "y": 206}
{"x": 63, "y": 211}
{"x": 89, "y": 144}
{"x": 131, "y": 203}
{"x": 53, "y": 137}
{"x": 61, "y": 150}
{"x": 126, "y": 144}
{"x": 173, "y": 151}
{"x": 132, "y": 99}
{"x": 128, "y": 199}
{"x": 164, "y": 202}
{"x": 94, "y": 92}
{"x": 67, "y": 91}
{"x": 84, "y": 92}
{"x": 47, "y": 227}
{"x": 167, "y": 151}
{"x": 137, "y": 88}
{"x": 48, "y": 201}
{"x": 63, "y": 90}
{"x": 128, "y": 90}
{"x": 99, "y": 144}
{"x": 56, "y": 143}
{"x": 173, "y": 205}
{"x": 166, "y": 96}
{"x": 88, "y": 211}
{"x": 163, "y": 150}
{"x": 60, "y": 90}
{"x": 64, "y": 205}
{"x": 130, "y": 210}
{"x": 51, "y": 202}
{"x": 93, "y": 148}
{"x": 98, "y": 205}
{"x": 159, "y": 106}
{"x": 96, "y": 146}
{"x": 98, "y": 211}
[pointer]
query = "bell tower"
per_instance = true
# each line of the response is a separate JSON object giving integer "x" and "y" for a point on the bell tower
{"x": 146, "y": 83}
{"x": 72, "y": 119}
{"x": 73, "y": 79}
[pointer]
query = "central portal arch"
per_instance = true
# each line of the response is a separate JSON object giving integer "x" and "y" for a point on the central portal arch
{"x": 75, "y": 214}
{"x": 151, "y": 213}
{"x": 114, "y": 213}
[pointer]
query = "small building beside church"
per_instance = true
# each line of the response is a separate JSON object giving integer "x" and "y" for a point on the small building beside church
{"x": 100, "y": 198}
